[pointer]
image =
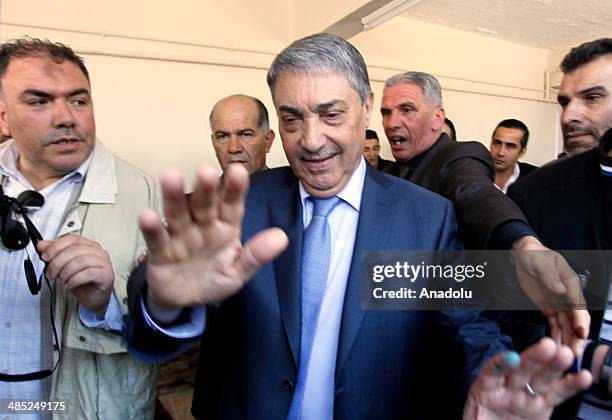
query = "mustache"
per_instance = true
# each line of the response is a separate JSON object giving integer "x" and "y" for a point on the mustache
{"x": 58, "y": 134}
{"x": 323, "y": 153}
{"x": 576, "y": 127}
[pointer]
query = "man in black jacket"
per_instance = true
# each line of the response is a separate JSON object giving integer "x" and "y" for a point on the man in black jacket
{"x": 577, "y": 192}
{"x": 413, "y": 116}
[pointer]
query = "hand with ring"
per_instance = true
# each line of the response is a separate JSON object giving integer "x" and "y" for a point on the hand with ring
{"x": 525, "y": 386}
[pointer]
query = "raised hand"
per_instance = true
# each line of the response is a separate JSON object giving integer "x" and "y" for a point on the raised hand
{"x": 196, "y": 257}
{"x": 528, "y": 386}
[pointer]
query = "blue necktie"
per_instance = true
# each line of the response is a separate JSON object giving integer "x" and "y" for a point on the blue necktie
{"x": 316, "y": 253}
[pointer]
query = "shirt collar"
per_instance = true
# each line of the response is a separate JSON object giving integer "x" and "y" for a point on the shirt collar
{"x": 516, "y": 172}
{"x": 9, "y": 155}
{"x": 351, "y": 193}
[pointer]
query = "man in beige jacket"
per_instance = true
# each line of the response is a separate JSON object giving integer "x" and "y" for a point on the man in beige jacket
{"x": 88, "y": 218}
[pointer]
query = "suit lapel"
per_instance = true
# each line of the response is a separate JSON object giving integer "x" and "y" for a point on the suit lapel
{"x": 288, "y": 265}
{"x": 375, "y": 205}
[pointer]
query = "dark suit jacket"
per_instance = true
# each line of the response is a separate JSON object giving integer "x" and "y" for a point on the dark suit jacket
{"x": 526, "y": 169}
{"x": 384, "y": 368}
{"x": 569, "y": 205}
{"x": 463, "y": 172}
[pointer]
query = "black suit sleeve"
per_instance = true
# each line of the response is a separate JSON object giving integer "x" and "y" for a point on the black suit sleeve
{"x": 467, "y": 180}
{"x": 144, "y": 343}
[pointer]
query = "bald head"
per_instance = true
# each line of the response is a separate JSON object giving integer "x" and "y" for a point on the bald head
{"x": 240, "y": 132}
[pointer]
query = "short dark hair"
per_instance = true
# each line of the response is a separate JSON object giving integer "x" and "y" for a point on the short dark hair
{"x": 585, "y": 53}
{"x": 517, "y": 124}
{"x": 263, "y": 120}
{"x": 34, "y": 47}
{"x": 371, "y": 135}
{"x": 452, "y": 128}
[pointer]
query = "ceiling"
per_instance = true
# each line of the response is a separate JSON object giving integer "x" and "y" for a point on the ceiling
{"x": 535, "y": 23}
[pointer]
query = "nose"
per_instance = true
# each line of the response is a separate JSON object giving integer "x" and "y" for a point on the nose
{"x": 572, "y": 112}
{"x": 63, "y": 114}
{"x": 313, "y": 138}
{"x": 391, "y": 121}
{"x": 234, "y": 145}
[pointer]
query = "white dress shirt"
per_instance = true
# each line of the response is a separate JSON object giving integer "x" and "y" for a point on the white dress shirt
{"x": 318, "y": 400}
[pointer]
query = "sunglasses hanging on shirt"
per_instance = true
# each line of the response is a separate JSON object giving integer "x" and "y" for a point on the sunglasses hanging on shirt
{"x": 15, "y": 236}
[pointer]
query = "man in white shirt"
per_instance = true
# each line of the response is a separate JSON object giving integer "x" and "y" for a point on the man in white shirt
{"x": 508, "y": 145}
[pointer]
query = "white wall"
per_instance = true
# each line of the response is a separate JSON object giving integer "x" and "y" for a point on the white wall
{"x": 157, "y": 69}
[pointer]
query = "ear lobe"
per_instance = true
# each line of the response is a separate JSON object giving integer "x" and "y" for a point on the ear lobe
{"x": 438, "y": 118}
{"x": 4, "y": 126}
{"x": 368, "y": 105}
{"x": 269, "y": 140}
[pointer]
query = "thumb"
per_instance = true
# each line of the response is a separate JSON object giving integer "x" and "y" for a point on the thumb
{"x": 260, "y": 250}
{"x": 43, "y": 245}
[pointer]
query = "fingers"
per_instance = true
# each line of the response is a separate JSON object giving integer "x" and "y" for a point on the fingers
{"x": 155, "y": 234}
{"x": 203, "y": 202}
{"x": 532, "y": 360}
{"x": 261, "y": 249}
{"x": 569, "y": 386}
{"x": 176, "y": 210}
{"x": 553, "y": 370}
{"x": 581, "y": 321}
{"x": 574, "y": 326}
{"x": 493, "y": 373}
{"x": 236, "y": 184}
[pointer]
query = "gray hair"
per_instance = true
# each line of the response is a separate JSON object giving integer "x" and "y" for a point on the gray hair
{"x": 321, "y": 53}
{"x": 427, "y": 82}
{"x": 263, "y": 121}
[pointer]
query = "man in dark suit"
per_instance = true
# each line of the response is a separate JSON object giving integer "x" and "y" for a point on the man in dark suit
{"x": 413, "y": 115}
{"x": 569, "y": 203}
{"x": 508, "y": 145}
{"x": 283, "y": 345}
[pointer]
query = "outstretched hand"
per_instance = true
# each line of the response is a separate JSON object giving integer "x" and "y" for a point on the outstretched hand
{"x": 196, "y": 257}
{"x": 555, "y": 288}
{"x": 528, "y": 386}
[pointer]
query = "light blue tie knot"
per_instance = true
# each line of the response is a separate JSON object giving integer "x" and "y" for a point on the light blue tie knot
{"x": 323, "y": 206}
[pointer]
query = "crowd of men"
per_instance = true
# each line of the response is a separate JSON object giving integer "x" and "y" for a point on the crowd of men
{"x": 265, "y": 269}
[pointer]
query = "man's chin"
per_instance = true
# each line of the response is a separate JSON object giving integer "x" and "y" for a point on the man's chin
{"x": 576, "y": 145}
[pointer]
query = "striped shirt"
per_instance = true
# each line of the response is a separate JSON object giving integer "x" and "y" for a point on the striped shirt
{"x": 21, "y": 314}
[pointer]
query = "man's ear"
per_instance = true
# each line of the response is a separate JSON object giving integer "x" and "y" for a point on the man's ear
{"x": 4, "y": 126}
{"x": 369, "y": 104}
{"x": 269, "y": 140}
{"x": 438, "y": 118}
{"x": 523, "y": 151}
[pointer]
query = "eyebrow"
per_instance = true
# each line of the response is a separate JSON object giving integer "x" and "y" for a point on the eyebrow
{"x": 43, "y": 94}
{"x": 291, "y": 110}
{"x": 592, "y": 89}
{"x": 327, "y": 105}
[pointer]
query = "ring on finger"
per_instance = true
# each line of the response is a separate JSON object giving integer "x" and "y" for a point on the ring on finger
{"x": 530, "y": 391}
